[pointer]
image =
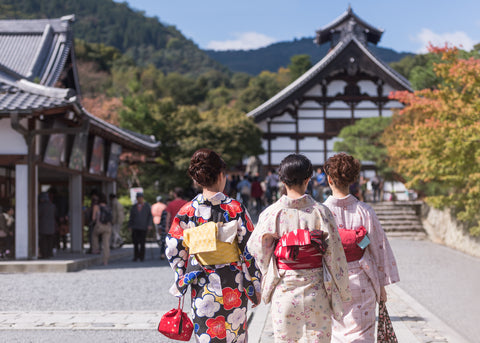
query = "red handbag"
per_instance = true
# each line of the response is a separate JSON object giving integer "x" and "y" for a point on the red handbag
{"x": 176, "y": 324}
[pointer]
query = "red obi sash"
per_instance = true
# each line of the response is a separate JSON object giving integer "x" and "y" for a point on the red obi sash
{"x": 350, "y": 240}
{"x": 300, "y": 249}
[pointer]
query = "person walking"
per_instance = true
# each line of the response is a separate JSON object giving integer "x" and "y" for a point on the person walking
{"x": 174, "y": 205}
{"x": 7, "y": 229}
{"x": 102, "y": 218}
{"x": 160, "y": 226}
{"x": 139, "y": 223}
{"x": 118, "y": 216}
{"x": 300, "y": 255}
{"x": 371, "y": 264}
{"x": 46, "y": 225}
{"x": 206, "y": 248}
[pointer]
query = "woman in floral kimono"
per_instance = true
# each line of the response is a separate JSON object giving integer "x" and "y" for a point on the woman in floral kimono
{"x": 299, "y": 252}
{"x": 212, "y": 258}
{"x": 371, "y": 264}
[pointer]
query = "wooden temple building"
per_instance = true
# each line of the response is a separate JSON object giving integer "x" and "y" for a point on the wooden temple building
{"x": 348, "y": 84}
{"x": 47, "y": 138}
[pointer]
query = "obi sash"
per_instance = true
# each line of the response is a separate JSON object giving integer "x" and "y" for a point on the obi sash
{"x": 354, "y": 242}
{"x": 213, "y": 243}
{"x": 300, "y": 249}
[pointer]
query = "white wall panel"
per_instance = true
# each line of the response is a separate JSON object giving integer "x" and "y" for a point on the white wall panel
{"x": 335, "y": 87}
{"x": 284, "y": 117}
{"x": 368, "y": 87}
{"x": 310, "y": 113}
{"x": 11, "y": 142}
{"x": 346, "y": 113}
{"x": 387, "y": 89}
{"x": 393, "y": 104}
{"x": 290, "y": 128}
{"x": 263, "y": 126}
{"x": 366, "y": 113}
{"x": 283, "y": 143}
{"x": 338, "y": 104}
{"x": 315, "y": 157}
{"x": 366, "y": 104}
{"x": 311, "y": 125}
{"x": 330, "y": 142}
{"x": 314, "y": 91}
{"x": 277, "y": 157}
{"x": 310, "y": 143}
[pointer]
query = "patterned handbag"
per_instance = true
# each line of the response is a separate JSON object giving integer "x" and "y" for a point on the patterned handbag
{"x": 176, "y": 324}
{"x": 385, "y": 333}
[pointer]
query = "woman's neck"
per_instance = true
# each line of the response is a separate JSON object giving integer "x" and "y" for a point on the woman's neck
{"x": 295, "y": 192}
{"x": 339, "y": 193}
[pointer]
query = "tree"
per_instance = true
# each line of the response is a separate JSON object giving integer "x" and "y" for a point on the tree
{"x": 363, "y": 140}
{"x": 299, "y": 64}
{"x": 435, "y": 139}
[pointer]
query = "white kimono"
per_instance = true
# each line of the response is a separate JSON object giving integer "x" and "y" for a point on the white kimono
{"x": 303, "y": 300}
{"x": 376, "y": 268}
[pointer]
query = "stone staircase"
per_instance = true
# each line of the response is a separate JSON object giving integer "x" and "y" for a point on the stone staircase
{"x": 401, "y": 218}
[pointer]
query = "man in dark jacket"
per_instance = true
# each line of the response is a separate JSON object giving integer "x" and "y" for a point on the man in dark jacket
{"x": 139, "y": 223}
{"x": 46, "y": 225}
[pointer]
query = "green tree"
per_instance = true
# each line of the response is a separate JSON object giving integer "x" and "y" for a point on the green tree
{"x": 363, "y": 140}
{"x": 299, "y": 64}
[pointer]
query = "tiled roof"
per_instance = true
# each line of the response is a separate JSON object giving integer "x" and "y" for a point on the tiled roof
{"x": 36, "y": 49}
{"x": 25, "y": 97}
{"x": 283, "y": 96}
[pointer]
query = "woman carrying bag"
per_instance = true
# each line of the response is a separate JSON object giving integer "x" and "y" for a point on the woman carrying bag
{"x": 206, "y": 248}
{"x": 371, "y": 264}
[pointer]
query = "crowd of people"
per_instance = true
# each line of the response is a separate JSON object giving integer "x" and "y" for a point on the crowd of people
{"x": 317, "y": 253}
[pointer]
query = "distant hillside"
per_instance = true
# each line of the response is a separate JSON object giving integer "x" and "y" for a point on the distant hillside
{"x": 145, "y": 39}
{"x": 278, "y": 55}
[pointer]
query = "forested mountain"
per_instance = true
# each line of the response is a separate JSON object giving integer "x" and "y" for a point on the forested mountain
{"x": 145, "y": 39}
{"x": 278, "y": 55}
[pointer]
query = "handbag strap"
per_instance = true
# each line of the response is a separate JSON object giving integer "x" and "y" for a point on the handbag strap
{"x": 181, "y": 301}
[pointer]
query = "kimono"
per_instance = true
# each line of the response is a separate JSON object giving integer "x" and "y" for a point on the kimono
{"x": 219, "y": 292}
{"x": 303, "y": 300}
{"x": 377, "y": 267}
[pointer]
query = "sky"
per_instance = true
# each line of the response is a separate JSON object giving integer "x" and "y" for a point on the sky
{"x": 251, "y": 24}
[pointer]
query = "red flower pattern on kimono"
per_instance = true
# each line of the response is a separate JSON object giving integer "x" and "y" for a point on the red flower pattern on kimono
{"x": 176, "y": 230}
{"x": 231, "y": 298}
{"x": 250, "y": 226}
{"x": 233, "y": 208}
{"x": 216, "y": 327}
{"x": 187, "y": 209}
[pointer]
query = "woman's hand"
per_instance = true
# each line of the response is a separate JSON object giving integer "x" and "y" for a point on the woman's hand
{"x": 259, "y": 299}
{"x": 383, "y": 294}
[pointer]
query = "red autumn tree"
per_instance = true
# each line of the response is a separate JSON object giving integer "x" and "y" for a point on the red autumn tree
{"x": 434, "y": 141}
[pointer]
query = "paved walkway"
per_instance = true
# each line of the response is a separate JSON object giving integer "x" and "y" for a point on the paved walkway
{"x": 411, "y": 321}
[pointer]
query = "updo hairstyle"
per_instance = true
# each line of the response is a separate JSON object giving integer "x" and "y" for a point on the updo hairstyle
{"x": 205, "y": 165}
{"x": 343, "y": 169}
{"x": 295, "y": 169}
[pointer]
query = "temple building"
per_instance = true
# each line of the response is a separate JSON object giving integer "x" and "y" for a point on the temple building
{"x": 348, "y": 84}
{"x": 47, "y": 138}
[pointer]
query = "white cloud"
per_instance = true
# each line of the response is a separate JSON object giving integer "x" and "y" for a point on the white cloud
{"x": 242, "y": 41}
{"x": 459, "y": 39}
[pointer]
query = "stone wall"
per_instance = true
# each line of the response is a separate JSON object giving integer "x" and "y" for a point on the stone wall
{"x": 442, "y": 227}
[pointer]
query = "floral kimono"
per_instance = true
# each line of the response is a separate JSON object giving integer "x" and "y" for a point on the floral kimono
{"x": 376, "y": 268}
{"x": 303, "y": 300}
{"x": 219, "y": 292}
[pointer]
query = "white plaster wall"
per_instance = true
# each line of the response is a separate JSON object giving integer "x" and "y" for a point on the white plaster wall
{"x": 367, "y": 104}
{"x": 332, "y": 141}
{"x": 21, "y": 211}
{"x": 263, "y": 126}
{"x": 310, "y": 113}
{"x": 393, "y": 104}
{"x": 368, "y": 87}
{"x": 338, "y": 104}
{"x": 387, "y": 89}
{"x": 443, "y": 228}
{"x": 366, "y": 113}
{"x": 284, "y": 117}
{"x": 335, "y": 87}
{"x": 290, "y": 128}
{"x": 310, "y": 143}
{"x": 11, "y": 142}
{"x": 346, "y": 113}
{"x": 283, "y": 143}
{"x": 277, "y": 157}
{"x": 311, "y": 125}
{"x": 263, "y": 158}
{"x": 315, "y": 157}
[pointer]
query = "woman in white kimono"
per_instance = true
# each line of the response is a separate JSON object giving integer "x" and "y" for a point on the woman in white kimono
{"x": 299, "y": 252}
{"x": 371, "y": 264}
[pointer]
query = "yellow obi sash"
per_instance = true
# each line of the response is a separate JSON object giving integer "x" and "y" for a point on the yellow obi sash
{"x": 213, "y": 243}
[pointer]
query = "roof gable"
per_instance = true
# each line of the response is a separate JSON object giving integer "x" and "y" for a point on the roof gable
{"x": 37, "y": 50}
{"x": 335, "y": 61}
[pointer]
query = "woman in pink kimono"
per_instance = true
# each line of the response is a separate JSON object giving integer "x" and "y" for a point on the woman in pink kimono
{"x": 299, "y": 252}
{"x": 371, "y": 264}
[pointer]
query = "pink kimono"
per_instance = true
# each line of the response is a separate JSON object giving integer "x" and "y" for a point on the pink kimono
{"x": 303, "y": 300}
{"x": 376, "y": 268}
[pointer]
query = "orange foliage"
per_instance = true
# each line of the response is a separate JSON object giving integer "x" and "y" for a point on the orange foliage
{"x": 104, "y": 108}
